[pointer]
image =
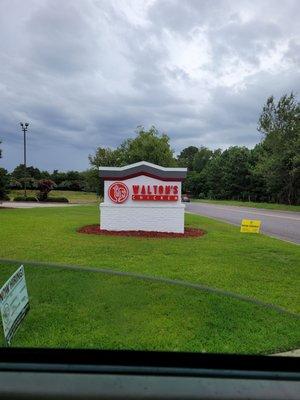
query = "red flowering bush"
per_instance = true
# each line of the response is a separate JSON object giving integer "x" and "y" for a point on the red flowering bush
{"x": 44, "y": 186}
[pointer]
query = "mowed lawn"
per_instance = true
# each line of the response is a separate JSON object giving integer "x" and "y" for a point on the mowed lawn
{"x": 76, "y": 308}
{"x": 92, "y": 310}
{"x": 267, "y": 206}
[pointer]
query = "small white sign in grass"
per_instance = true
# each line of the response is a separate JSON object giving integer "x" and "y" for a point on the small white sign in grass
{"x": 14, "y": 303}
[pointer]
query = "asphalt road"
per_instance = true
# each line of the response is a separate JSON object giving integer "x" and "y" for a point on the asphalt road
{"x": 281, "y": 224}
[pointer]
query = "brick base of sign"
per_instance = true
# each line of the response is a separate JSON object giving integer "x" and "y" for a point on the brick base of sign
{"x": 96, "y": 230}
{"x": 158, "y": 218}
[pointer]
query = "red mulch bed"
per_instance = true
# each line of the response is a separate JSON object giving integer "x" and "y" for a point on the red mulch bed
{"x": 95, "y": 230}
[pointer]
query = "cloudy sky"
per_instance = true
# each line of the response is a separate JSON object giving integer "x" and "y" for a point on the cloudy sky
{"x": 85, "y": 73}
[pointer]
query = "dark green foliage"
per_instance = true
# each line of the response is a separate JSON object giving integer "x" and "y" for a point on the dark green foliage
{"x": 268, "y": 173}
{"x": 148, "y": 145}
{"x": 30, "y": 175}
{"x": 186, "y": 157}
{"x": 92, "y": 183}
{"x": 71, "y": 185}
{"x": 86, "y": 181}
{"x": 4, "y": 184}
{"x": 107, "y": 157}
{"x": 14, "y": 184}
{"x": 31, "y": 172}
{"x": 31, "y": 183}
{"x": 23, "y": 198}
{"x": 56, "y": 200}
{"x": 194, "y": 183}
{"x": 279, "y": 161}
{"x": 201, "y": 158}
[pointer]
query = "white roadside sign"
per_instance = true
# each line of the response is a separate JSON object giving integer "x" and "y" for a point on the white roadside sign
{"x": 14, "y": 303}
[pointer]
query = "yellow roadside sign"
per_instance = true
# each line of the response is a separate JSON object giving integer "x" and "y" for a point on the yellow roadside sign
{"x": 250, "y": 225}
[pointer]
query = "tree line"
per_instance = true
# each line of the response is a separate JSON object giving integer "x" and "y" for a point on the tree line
{"x": 269, "y": 172}
{"x": 36, "y": 179}
{"x": 70, "y": 180}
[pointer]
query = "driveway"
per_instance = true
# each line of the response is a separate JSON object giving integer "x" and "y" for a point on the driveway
{"x": 280, "y": 224}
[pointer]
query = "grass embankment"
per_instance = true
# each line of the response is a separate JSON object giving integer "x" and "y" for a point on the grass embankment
{"x": 72, "y": 308}
{"x": 72, "y": 196}
{"x": 253, "y": 265}
{"x": 91, "y": 310}
{"x": 267, "y": 206}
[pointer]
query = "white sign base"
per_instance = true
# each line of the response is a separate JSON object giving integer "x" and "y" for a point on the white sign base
{"x": 144, "y": 217}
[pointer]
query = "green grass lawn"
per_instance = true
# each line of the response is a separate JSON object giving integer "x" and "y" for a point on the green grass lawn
{"x": 91, "y": 310}
{"x": 125, "y": 312}
{"x": 269, "y": 206}
{"x": 72, "y": 196}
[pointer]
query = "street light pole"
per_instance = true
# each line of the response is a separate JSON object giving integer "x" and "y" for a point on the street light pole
{"x": 24, "y": 128}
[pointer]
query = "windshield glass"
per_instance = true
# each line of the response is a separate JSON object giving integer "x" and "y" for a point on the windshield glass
{"x": 150, "y": 176}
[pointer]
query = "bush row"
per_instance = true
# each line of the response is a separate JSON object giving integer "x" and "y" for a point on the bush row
{"x": 56, "y": 200}
{"x": 48, "y": 200}
{"x": 23, "y": 198}
{"x": 4, "y": 197}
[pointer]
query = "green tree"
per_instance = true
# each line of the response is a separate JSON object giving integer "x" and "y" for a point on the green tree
{"x": 279, "y": 162}
{"x": 148, "y": 146}
{"x": 31, "y": 175}
{"x": 31, "y": 172}
{"x": 214, "y": 176}
{"x": 236, "y": 172}
{"x": 73, "y": 176}
{"x": 107, "y": 157}
{"x": 58, "y": 177}
{"x": 4, "y": 182}
{"x": 201, "y": 158}
{"x": 92, "y": 181}
{"x": 186, "y": 157}
{"x": 195, "y": 184}
{"x": 257, "y": 185}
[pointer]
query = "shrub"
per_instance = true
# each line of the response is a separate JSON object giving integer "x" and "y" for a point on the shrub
{"x": 71, "y": 185}
{"x": 23, "y": 198}
{"x": 44, "y": 186}
{"x": 201, "y": 196}
{"x": 57, "y": 200}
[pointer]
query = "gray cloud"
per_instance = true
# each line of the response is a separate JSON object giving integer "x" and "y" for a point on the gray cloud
{"x": 86, "y": 73}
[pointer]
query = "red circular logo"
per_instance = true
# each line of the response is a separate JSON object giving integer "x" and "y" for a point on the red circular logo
{"x": 118, "y": 192}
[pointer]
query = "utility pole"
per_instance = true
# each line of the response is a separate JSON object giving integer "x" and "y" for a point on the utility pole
{"x": 24, "y": 128}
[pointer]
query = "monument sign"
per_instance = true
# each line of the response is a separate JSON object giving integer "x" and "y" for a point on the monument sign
{"x": 142, "y": 196}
